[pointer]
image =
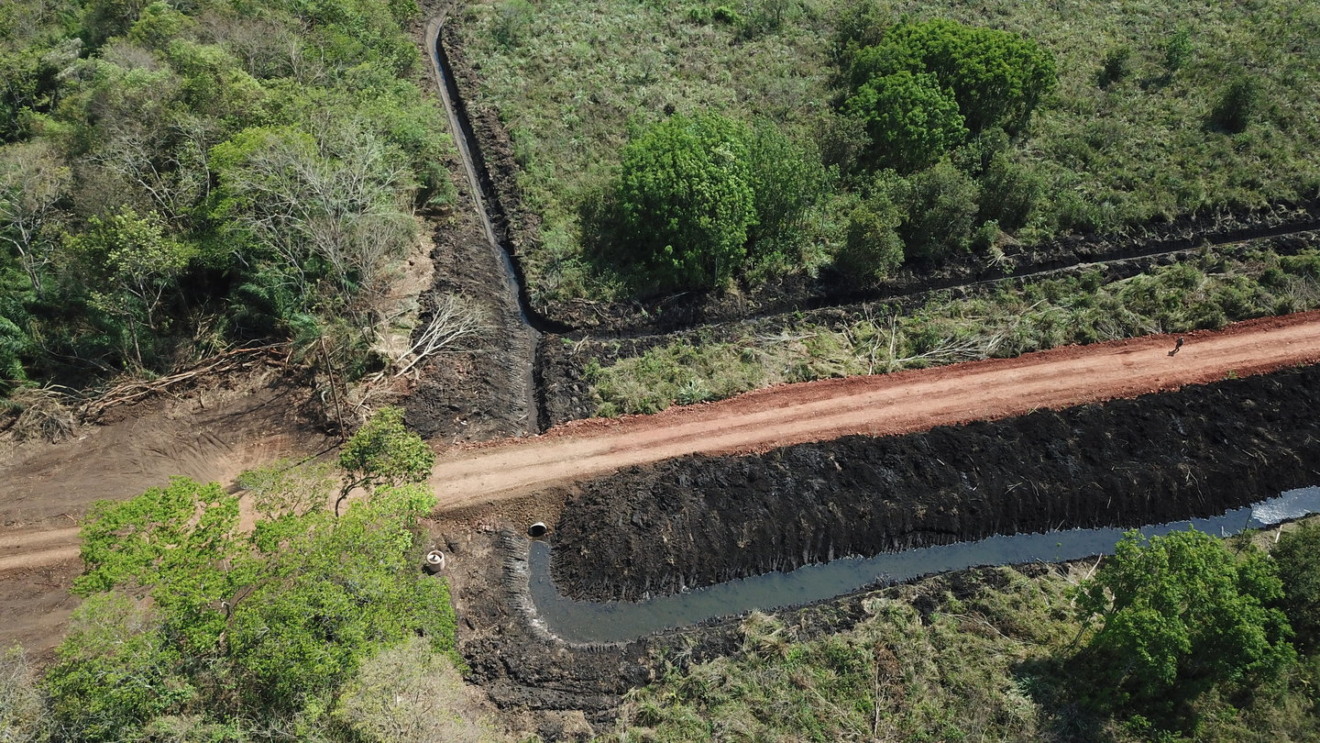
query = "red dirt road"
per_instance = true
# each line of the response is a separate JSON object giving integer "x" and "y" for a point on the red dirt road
{"x": 69, "y": 476}
{"x": 880, "y": 405}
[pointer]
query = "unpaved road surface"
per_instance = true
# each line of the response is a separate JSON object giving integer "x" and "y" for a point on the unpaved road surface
{"x": 880, "y": 405}
{"x": 30, "y": 548}
{"x": 209, "y": 435}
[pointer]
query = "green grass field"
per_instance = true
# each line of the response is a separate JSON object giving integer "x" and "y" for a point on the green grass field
{"x": 1205, "y": 291}
{"x": 571, "y": 79}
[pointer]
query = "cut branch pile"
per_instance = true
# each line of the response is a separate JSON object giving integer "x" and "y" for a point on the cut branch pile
{"x": 138, "y": 390}
{"x": 452, "y": 319}
{"x": 44, "y": 414}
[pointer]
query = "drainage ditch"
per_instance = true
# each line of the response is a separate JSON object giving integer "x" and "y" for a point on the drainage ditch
{"x": 619, "y": 621}
{"x": 700, "y": 520}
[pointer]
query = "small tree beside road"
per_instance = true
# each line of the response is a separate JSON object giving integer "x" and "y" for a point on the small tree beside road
{"x": 384, "y": 452}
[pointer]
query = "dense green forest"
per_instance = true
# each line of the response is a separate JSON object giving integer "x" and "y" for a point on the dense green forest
{"x": 911, "y": 132}
{"x": 177, "y": 178}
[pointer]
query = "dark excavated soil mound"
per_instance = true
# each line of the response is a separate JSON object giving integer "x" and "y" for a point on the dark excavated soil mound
{"x": 1162, "y": 457}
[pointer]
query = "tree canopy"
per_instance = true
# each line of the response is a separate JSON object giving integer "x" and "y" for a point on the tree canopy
{"x": 698, "y": 198}
{"x": 1298, "y": 556}
{"x": 247, "y": 168}
{"x": 910, "y": 119}
{"x": 187, "y": 614}
{"x": 686, "y": 201}
{"x": 1178, "y": 615}
{"x": 997, "y": 77}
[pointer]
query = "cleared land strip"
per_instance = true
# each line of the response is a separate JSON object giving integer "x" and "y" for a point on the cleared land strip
{"x": 880, "y": 405}
{"x": 817, "y": 411}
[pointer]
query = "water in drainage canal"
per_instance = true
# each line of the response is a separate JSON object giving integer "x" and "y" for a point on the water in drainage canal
{"x": 582, "y": 621}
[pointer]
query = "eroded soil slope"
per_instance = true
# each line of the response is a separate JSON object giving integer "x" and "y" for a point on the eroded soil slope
{"x": 1160, "y": 457}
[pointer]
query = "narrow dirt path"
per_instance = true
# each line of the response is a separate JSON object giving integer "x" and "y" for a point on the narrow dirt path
{"x": 881, "y": 405}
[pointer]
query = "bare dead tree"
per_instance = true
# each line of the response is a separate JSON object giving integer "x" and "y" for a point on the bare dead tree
{"x": 343, "y": 199}
{"x": 33, "y": 179}
{"x": 454, "y": 318}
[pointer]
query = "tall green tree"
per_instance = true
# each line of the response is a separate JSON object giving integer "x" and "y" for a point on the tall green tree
{"x": 998, "y": 78}
{"x": 114, "y": 671}
{"x": 330, "y": 593}
{"x": 787, "y": 180}
{"x": 1298, "y": 556}
{"x": 384, "y": 452}
{"x": 686, "y": 202}
{"x": 133, "y": 263}
{"x": 1178, "y": 615}
{"x": 13, "y": 345}
{"x": 909, "y": 118}
{"x": 336, "y": 208}
{"x": 116, "y": 117}
{"x": 188, "y": 615}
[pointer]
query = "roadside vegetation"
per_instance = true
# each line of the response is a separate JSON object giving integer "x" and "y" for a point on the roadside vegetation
{"x": 1205, "y": 291}
{"x": 1101, "y": 117}
{"x": 316, "y": 627}
{"x": 1182, "y": 637}
{"x": 179, "y": 178}
{"x": 305, "y": 626}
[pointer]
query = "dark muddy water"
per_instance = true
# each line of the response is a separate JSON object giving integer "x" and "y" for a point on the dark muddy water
{"x": 582, "y": 621}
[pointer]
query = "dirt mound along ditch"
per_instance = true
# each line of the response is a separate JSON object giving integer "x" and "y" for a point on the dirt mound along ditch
{"x": 702, "y": 520}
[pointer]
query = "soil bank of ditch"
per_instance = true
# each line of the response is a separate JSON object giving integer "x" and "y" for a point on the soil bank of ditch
{"x": 701, "y": 520}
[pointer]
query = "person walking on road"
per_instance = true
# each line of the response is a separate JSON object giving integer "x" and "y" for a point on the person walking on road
{"x": 1177, "y": 346}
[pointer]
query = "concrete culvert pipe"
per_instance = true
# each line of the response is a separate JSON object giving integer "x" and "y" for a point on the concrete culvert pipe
{"x": 538, "y": 529}
{"x": 435, "y": 561}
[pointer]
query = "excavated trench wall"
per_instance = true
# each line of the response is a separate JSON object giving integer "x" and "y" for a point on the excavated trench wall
{"x": 703, "y": 520}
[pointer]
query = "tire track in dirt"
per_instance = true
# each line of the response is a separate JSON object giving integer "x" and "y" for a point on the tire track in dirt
{"x": 31, "y": 549}
{"x": 904, "y": 402}
{"x": 19, "y": 541}
{"x": 39, "y": 559}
